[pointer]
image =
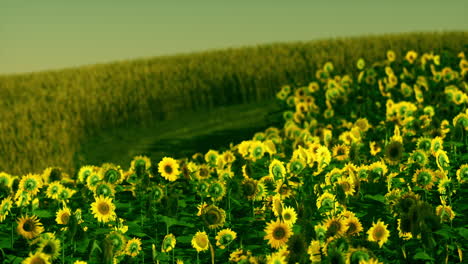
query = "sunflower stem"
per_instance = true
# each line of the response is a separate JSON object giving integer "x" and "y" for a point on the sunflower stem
{"x": 198, "y": 257}
{"x": 11, "y": 234}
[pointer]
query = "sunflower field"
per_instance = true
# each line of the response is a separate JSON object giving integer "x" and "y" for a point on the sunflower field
{"x": 369, "y": 167}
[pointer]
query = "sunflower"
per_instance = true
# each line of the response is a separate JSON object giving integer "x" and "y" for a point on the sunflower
{"x": 335, "y": 227}
{"x": 200, "y": 241}
{"x": 213, "y": 216}
{"x": 6, "y": 179}
{"x": 411, "y": 56}
{"x": 283, "y": 189}
{"x": 50, "y": 247}
{"x": 84, "y": 172}
{"x": 118, "y": 242}
{"x": 29, "y": 227}
{"x": 30, "y": 183}
{"x": 277, "y": 205}
{"x": 133, "y": 247}
{"x": 80, "y": 262}
{"x": 378, "y": 233}
{"x": 63, "y": 216}
{"x": 249, "y": 188}
{"x": 393, "y": 152}
{"x": 211, "y": 157}
{"x": 5, "y": 207}
{"x": 105, "y": 189}
{"x": 140, "y": 164}
{"x": 257, "y": 150}
{"x": 361, "y": 64}
{"x": 276, "y": 169}
{"x": 111, "y": 173}
{"x": 289, "y": 215}
{"x": 103, "y": 209}
{"x": 276, "y": 259}
{"x": 37, "y": 258}
{"x": 391, "y": 56}
{"x": 436, "y": 144}
{"x": 277, "y": 233}
{"x": 419, "y": 157}
{"x": 169, "y": 169}
{"x": 340, "y": 152}
{"x": 54, "y": 189}
{"x": 168, "y": 243}
{"x": 326, "y": 200}
{"x": 225, "y": 237}
{"x": 462, "y": 174}
{"x": 315, "y": 251}
{"x": 65, "y": 194}
{"x": 442, "y": 160}
{"x": 347, "y": 186}
{"x": 424, "y": 178}
{"x": 353, "y": 226}
{"x": 403, "y": 235}
{"x": 445, "y": 213}
{"x": 93, "y": 180}
{"x": 217, "y": 190}
{"x": 203, "y": 172}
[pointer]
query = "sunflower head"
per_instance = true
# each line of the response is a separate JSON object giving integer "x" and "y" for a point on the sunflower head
{"x": 140, "y": 164}
{"x": 63, "y": 216}
{"x": 277, "y": 233}
{"x": 424, "y": 178}
{"x": 105, "y": 189}
{"x": 29, "y": 227}
{"x": 169, "y": 169}
{"x": 249, "y": 188}
{"x": 103, "y": 209}
{"x": 213, "y": 216}
{"x": 133, "y": 247}
{"x": 200, "y": 241}
{"x": 277, "y": 169}
{"x": 50, "y": 247}
{"x": 217, "y": 190}
{"x": 378, "y": 233}
{"x": 168, "y": 243}
{"x": 462, "y": 174}
{"x": 37, "y": 258}
{"x": 31, "y": 184}
{"x": 225, "y": 237}
{"x": 393, "y": 152}
{"x": 111, "y": 173}
{"x": 84, "y": 173}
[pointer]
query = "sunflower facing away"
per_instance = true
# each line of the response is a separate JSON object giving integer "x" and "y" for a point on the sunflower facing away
{"x": 378, "y": 233}
{"x": 133, "y": 247}
{"x": 103, "y": 209}
{"x": 277, "y": 233}
{"x": 168, "y": 243}
{"x": 169, "y": 169}
{"x": 225, "y": 237}
{"x": 29, "y": 227}
{"x": 50, "y": 247}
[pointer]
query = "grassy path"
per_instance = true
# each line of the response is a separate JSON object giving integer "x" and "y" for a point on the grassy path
{"x": 181, "y": 137}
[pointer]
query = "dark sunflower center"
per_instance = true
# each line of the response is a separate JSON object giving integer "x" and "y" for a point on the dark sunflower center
{"x": 279, "y": 233}
{"x": 378, "y": 233}
{"x": 65, "y": 217}
{"x": 212, "y": 217}
{"x": 352, "y": 228}
{"x": 334, "y": 228}
{"x": 287, "y": 216}
{"x": 48, "y": 249}
{"x": 203, "y": 172}
{"x": 168, "y": 169}
{"x": 249, "y": 188}
{"x": 29, "y": 226}
{"x": 103, "y": 208}
{"x": 38, "y": 260}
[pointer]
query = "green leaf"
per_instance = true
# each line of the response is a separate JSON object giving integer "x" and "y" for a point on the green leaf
{"x": 377, "y": 197}
{"x": 463, "y": 232}
{"x": 43, "y": 213}
{"x": 422, "y": 256}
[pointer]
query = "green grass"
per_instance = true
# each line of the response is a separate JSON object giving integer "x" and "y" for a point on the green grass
{"x": 182, "y": 137}
{"x": 47, "y": 116}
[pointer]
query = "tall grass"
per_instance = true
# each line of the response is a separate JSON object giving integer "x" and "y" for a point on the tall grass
{"x": 45, "y": 116}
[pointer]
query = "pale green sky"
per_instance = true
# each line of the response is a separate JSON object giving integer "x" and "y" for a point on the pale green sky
{"x": 50, "y": 34}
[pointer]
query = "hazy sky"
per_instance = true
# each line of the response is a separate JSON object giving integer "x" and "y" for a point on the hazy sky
{"x": 46, "y": 34}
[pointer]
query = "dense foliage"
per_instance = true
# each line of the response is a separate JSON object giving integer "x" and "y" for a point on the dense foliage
{"x": 45, "y": 117}
{"x": 368, "y": 168}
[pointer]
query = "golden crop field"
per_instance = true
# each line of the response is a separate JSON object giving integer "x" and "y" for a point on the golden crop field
{"x": 370, "y": 165}
{"x": 45, "y": 117}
